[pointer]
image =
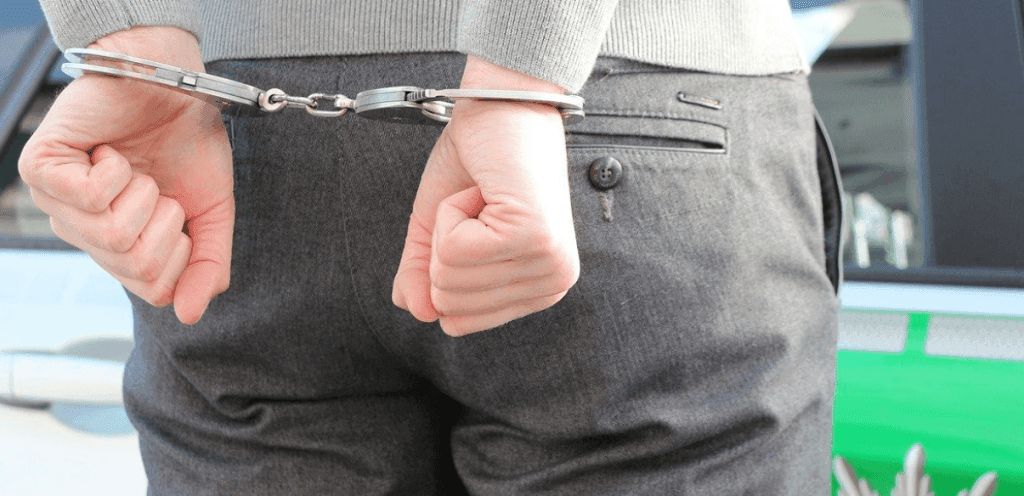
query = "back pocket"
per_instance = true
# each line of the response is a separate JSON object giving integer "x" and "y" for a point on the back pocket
{"x": 668, "y": 168}
{"x": 629, "y": 131}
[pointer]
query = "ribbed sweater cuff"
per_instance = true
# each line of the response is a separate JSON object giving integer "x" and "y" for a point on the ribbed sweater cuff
{"x": 555, "y": 40}
{"x": 76, "y": 23}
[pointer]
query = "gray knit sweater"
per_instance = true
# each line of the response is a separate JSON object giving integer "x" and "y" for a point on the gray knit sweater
{"x": 556, "y": 40}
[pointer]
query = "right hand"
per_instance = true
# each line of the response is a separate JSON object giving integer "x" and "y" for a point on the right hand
{"x": 139, "y": 176}
{"x": 491, "y": 236}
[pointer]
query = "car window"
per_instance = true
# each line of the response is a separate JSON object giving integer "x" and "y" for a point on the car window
{"x": 862, "y": 87}
{"x": 19, "y": 217}
{"x": 926, "y": 139}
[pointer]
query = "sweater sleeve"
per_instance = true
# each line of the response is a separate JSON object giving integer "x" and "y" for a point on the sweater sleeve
{"x": 76, "y": 23}
{"x": 555, "y": 40}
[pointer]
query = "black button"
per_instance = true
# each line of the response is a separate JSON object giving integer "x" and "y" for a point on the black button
{"x": 605, "y": 173}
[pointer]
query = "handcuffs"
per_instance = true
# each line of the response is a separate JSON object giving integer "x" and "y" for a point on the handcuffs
{"x": 396, "y": 104}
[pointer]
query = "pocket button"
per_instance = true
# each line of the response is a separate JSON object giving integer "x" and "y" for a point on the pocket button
{"x": 605, "y": 173}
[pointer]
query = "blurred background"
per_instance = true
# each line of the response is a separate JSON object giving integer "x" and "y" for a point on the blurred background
{"x": 924, "y": 102}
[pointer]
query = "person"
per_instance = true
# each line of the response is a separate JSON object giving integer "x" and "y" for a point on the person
{"x": 640, "y": 305}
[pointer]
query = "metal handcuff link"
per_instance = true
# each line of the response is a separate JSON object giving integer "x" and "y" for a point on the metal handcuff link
{"x": 397, "y": 104}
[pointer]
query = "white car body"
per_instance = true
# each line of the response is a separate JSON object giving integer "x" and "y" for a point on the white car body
{"x": 55, "y": 302}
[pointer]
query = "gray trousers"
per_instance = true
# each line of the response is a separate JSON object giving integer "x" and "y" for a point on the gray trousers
{"x": 695, "y": 356}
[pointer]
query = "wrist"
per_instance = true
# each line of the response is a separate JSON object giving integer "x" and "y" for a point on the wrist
{"x": 481, "y": 74}
{"x": 164, "y": 44}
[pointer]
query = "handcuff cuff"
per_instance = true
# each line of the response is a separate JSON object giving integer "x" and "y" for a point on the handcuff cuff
{"x": 395, "y": 104}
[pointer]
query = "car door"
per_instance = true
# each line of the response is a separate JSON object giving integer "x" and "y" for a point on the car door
{"x": 923, "y": 103}
{"x": 65, "y": 325}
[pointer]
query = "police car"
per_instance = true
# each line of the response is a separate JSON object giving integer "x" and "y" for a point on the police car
{"x": 924, "y": 102}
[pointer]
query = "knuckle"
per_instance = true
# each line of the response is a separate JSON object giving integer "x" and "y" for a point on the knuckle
{"x": 63, "y": 233}
{"x": 58, "y": 228}
{"x": 568, "y": 273}
{"x": 116, "y": 239}
{"x": 544, "y": 243}
{"x": 563, "y": 282}
{"x": 43, "y": 203}
{"x": 455, "y": 329}
{"x": 447, "y": 254}
{"x": 28, "y": 161}
{"x": 62, "y": 189}
{"x": 25, "y": 161}
{"x": 441, "y": 279}
{"x": 563, "y": 271}
{"x": 147, "y": 184}
{"x": 59, "y": 187}
{"x": 442, "y": 304}
{"x": 93, "y": 198}
{"x": 160, "y": 295}
{"x": 176, "y": 210}
{"x": 441, "y": 307}
{"x": 460, "y": 326}
{"x": 148, "y": 269}
{"x": 26, "y": 166}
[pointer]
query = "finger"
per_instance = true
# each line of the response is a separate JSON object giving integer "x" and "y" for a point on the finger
{"x": 66, "y": 234}
{"x": 463, "y": 325}
{"x": 160, "y": 292}
{"x": 209, "y": 267}
{"x": 87, "y": 183}
{"x": 485, "y": 277}
{"x": 411, "y": 289}
{"x": 147, "y": 258}
{"x": 450, "y": 304}
{"x": 460, "y": 239}
{"x": 115, "y": 229}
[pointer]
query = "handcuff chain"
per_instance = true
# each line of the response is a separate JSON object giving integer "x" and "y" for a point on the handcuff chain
{"x": 394, "y": 104}
{"x": 274, "y": 100}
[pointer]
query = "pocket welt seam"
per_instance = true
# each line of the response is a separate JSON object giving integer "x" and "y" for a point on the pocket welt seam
{"x": 655, "y": 150}
{"x": 644, "y": 113}
{"x": 649, "y": 150}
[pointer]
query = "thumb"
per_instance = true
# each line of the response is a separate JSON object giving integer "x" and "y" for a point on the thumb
{"x": 459, "y": 237}
{"x": 209, "y": 267}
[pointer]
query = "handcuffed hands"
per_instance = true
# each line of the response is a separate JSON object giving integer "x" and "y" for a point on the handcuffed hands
{"x": 491, "y": 235}
{"x": 139, "y": 177}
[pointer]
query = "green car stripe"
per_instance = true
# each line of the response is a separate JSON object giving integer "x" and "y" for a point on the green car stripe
{"x": 968, "y": 413}
{"x": 982, "y": 337}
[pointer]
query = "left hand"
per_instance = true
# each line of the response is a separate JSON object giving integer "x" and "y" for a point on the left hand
{"x": 139, "y": 177}
{"x": 491, "y": 235}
